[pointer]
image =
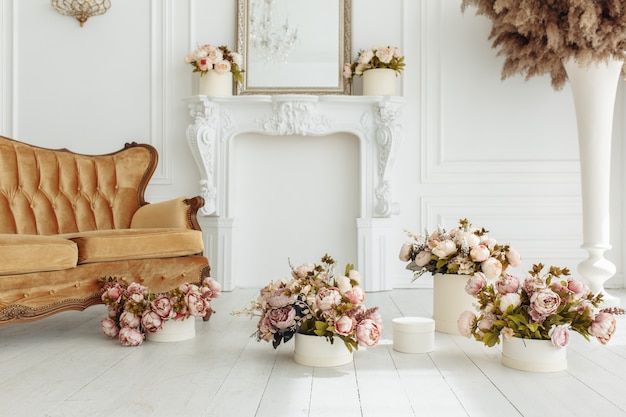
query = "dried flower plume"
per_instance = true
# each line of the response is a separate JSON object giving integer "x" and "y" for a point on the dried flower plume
{"x": 536, "y": 36}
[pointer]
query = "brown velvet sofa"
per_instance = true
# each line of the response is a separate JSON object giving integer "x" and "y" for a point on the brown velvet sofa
{"x": 67, "y": 220}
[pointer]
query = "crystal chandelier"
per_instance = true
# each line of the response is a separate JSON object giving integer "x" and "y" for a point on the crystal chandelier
{"x": 81, "y": 9}
{"x": 269, "y": 42}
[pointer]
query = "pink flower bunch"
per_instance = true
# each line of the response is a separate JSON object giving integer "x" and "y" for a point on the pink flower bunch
{"x": 384, "y": 57}
{"x": 463, "y": 250}
{"x": 133, "y": 310}
{"x": 545, "y": 306}
{"x": 218, "y": 58}
{"x": 315, "y": 301}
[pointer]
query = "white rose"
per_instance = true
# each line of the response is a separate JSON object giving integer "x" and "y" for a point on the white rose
{"x": 343, "y": 283}
{"x": 365, "y": 57}
{"x": 444, "y": 249}
{"x": 510, "y": 299}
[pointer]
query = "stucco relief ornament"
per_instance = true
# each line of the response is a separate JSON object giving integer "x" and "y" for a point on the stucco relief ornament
{"x": 295, "y": 118}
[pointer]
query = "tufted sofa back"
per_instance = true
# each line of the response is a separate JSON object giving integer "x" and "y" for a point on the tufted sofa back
{"x": 45, "y": 192}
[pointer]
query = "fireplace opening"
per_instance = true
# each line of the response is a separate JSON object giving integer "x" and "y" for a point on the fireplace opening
{"x": 294, "y": 198}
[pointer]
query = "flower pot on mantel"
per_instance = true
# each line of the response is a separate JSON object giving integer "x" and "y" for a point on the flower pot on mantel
{"x": 533, "y": 355}
{"x": 449, "y": 301}
{"x": 174, "y": 331}
{"x": 311, "y": 350}
{"x": 379, "y": 82}
{"x": 215, "y": 84}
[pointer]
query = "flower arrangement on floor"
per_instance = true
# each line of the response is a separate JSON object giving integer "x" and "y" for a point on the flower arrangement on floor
{"x": 133, "y": 310}
{"x": 315, "y": 301}
{"x": 536, "y": 36}
{"x": 545, "y": 306}
{"x": 464, "y": 250}
{"x": 218, "y": 58}
{"x": 388, "y": 57}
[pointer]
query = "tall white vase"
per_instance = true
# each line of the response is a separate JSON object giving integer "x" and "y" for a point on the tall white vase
{"x": 449, "y": 301}
{"x": 594, "y": 88}
{"x": 217, "y": 84}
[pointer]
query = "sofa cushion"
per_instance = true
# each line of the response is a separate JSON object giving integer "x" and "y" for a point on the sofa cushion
{"x": 126, "y": 244}
{"x": 22, "y": 254}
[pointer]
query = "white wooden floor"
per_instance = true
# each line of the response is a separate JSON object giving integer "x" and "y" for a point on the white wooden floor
{"x": 64, "y": 366}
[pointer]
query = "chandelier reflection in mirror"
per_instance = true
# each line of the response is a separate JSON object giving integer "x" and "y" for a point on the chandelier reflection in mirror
{"x": 269, "y": 42}
{"x": 81, "y": 9}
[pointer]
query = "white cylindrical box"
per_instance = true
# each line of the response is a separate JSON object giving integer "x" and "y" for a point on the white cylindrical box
{"x": 413, "y": 334}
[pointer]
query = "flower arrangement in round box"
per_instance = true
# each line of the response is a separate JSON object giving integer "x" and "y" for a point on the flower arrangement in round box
{"x": 316, "y": 306}
{"x": 379, "y": 68}
{"x": 134, "y": 311}
{"x": 546, "y": 306}
{"x": 218, "y": 67}
{"x": 452, "y": 257}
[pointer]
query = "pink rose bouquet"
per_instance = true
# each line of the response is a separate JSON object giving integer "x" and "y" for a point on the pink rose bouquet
{"x": 218, "y": 58}
{"x": 315, "y": 301}
{"x": 133, "y": 310}
{"x": 545, "y": 306}
{"x": 464, "y": 250}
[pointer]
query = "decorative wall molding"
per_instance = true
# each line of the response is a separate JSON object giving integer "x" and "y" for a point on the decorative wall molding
{"x": 375, "y": 121}
{"x": 8, "y": 40}
{"x": 436, "y": 166}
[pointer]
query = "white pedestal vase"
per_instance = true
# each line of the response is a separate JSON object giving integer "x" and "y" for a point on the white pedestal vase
{"x": 317, "y": 351}
{"x": 379, "y": 82}
{"x": 533, "y": 355}
{"x": 215, "y": 84}
{"x": 174, "y": 331}
{"x": 594, "y": 88}
{"x": 449, "y": 301}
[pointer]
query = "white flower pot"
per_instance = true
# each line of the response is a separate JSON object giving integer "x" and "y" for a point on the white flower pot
{"x": 379, "y": 82}
{"x": 317, "y": 351}
{"x": 215, "y": 84}
{"x": 533, "y": 355}
{"x": 449, "y": 301}
{"x": 174, "y": 331}
{"x": 413, "y": 334}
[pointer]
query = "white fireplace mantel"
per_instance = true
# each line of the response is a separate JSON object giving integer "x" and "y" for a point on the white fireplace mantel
{"x": 375, "y": 121}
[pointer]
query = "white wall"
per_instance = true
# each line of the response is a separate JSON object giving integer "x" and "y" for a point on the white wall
{"x": 503, "y": 154}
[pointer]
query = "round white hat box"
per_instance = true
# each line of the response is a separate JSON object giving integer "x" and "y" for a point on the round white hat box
{"x": 413, "y": 334}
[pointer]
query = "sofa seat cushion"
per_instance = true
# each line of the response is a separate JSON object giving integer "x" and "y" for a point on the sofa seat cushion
{"x": 126, "y": 244}
{"x": 22, "y": 254}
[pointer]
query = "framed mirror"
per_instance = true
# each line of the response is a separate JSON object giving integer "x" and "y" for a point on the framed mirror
{"x": 294, "y": 46}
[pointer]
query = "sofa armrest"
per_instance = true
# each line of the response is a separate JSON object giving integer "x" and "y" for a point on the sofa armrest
{"x": 178, "y": 213}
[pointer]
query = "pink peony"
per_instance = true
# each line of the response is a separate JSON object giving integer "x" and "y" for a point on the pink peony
{"x": 343, "y": 284}
{"x": 475, "y": 283}
{"x": 222, "y": 67}
{"x": 356, "y": 295}
{"x": 214, "y": 286}
{"x": 507, "y": 284}
{"x": 492, "y": 268}
{"x": 603, "y": 327}
{"x": 559, "y": 335}
{"x": 405, "y": 252}
{"x": 327, "y": 298}
{"x": 579, "y": 288}
{"x": 162, "y": 305}
{"x": 385, "y": 54}
{"x": 480, "y": 253}
{"x": 345, "y": 325}
{"x": 151, "y": 321}
{"x": 422, "y": 258}
{"x": 368, "y": 333}
{"x": 347, "y": 71}
{"x": 197, "y": 306}
{"x": 465, "y": 322}
{"x": 513, "y": 257}
{"x": 543, "y": 303}
{"x": 282, "y": 318}
{"x": 129, "y": 336}
{"x": 303, "y": 270}
{"x": 128, "y": 319}
{"x": 109, "y": 327}
{"x": 112, "y": 294}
